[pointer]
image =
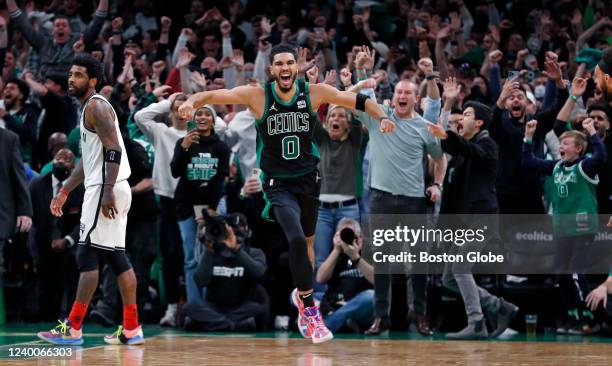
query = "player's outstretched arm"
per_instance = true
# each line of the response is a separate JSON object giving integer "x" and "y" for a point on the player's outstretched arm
{"x": 323, "y": 93}
{"x": 246, "y": 95}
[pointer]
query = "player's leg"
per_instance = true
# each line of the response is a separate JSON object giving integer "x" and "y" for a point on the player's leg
{"x": 130, "y": 332}
{"x": 69, "y": 332}
{"x": 288, "y": 216}
{"x": 308, "y": 220}
{"x": 310, "y": 321}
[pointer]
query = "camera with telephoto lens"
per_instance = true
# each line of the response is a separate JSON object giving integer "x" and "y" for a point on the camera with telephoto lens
{"x": 215, "y": 230}
{"x": 347, "y": 235}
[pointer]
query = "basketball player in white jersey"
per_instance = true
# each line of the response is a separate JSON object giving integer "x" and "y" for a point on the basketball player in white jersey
{"x": 104, "y": 170}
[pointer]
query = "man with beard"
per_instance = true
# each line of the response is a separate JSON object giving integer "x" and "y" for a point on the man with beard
{"x": 603, "y": 75}
{"x": 517, "y": 192}
{"x": 20, "y": 117}
{"x": 603, "y": 79}
{"x": 286, "y": 114}
{"x": 104, "y": 170}
{"x": 52, "y": 239}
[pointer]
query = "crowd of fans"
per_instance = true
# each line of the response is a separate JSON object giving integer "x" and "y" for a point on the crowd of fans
{"x": 504, "y": 84}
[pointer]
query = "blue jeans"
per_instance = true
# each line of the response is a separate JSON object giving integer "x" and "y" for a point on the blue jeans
{"x": 360, "y": 308}
{"x": 327, "y": 222}
{"x": 189, "y": 230}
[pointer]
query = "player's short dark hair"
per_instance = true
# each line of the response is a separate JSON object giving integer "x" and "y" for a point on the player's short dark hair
{"x": 481, "y": 112}
{"x": 600, "y": 107}
{"x": 24, "y": 88}
{"x": 282, "y": 48}
{"x": 93, "y": 66}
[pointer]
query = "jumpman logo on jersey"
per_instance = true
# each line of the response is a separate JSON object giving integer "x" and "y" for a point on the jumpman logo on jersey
{"x": 273, "y": 108}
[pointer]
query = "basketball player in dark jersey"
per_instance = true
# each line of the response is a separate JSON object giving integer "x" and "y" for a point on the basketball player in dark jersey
{"x": 288, "y": 157}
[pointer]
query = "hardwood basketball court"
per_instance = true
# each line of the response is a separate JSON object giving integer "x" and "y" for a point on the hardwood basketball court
{"x": 166, "y": 347}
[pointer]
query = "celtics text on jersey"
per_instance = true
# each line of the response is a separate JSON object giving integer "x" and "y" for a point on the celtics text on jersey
{"x": 285, "y": 143}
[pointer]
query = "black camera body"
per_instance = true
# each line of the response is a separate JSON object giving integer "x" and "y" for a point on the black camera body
{"x": 215, "y": 230}
{"x": 347, "y": 235}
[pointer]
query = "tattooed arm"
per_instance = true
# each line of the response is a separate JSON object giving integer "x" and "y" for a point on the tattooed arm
{"x": 100, "y": 117}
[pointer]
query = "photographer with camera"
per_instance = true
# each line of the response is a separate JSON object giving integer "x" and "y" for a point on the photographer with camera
{"x": 349, "y": 299}
{"x": 230, "y": 270}
{"x": 201, "y": 161}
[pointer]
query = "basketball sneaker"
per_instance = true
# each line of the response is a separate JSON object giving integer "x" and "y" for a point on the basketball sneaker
{"x": 124, "y": 336}
{"x": 318, "y": 330}
{"x": 63, "y": 334}
{"x": 301, "y": 321}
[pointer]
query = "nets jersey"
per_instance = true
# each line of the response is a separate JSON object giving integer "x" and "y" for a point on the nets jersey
{"x": 285, "y": 143}
{"x": 93, "y": 152}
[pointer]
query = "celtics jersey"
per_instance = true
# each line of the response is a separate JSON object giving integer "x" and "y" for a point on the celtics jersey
{"x": 285, "y": 134}
{"x": 574, "y": 201}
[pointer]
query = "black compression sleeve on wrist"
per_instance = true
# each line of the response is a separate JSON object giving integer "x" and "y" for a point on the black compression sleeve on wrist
{"x": 360, "y": 103}
{"x": 113, "y": 156}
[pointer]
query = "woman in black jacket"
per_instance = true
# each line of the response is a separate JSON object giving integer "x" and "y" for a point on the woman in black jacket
{"x": 201, "y": 161}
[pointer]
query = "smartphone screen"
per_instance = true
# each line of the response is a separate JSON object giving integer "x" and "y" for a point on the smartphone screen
{"x": 191, "y": 125}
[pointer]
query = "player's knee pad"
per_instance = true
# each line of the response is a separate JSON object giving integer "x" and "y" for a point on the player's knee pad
{"x": 117, "y": 261}
{"x": 86, "y": 258}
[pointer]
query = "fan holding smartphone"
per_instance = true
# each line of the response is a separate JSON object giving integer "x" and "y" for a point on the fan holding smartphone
{"x": 201, "y": 162}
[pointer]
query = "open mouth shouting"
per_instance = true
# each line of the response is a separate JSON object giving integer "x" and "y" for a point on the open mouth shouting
{"x": 285, "y": 78}
{"x": 516, "y": 109}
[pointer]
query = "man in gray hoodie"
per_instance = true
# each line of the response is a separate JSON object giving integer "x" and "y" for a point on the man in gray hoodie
{"x": 164, "y": 138}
